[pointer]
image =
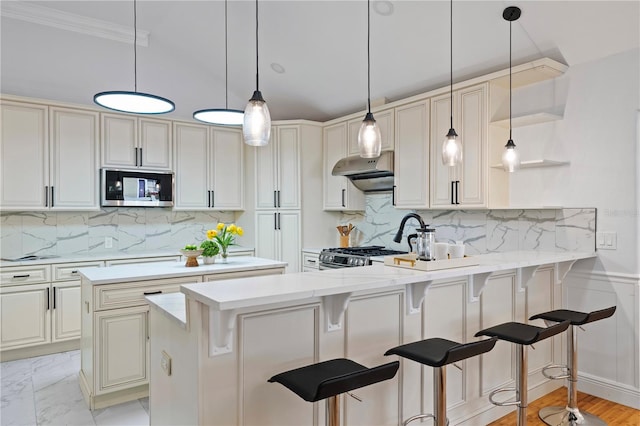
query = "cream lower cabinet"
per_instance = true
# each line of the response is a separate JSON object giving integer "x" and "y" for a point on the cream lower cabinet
{"x": 278, "y": 237}
{"x": 26, "y": 316}
{"x": 464, "y": 185}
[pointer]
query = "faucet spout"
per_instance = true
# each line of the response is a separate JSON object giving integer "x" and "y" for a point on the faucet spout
{"x": 398, "y": 236}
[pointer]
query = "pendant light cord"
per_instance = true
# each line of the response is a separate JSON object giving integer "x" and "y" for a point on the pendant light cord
{"x": 226, "y": 61}
{"x": 451, "y": 58}
{"x": 368, "y": 56}
{"x": 510, "y": 90}
{"x": 135, "y": 48}
{"x": 257, "y": 73}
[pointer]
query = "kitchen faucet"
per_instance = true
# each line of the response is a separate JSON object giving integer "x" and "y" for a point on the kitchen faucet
{"x": 398, "y": 236}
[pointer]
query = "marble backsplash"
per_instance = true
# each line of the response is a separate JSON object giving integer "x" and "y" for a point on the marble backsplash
{"x": 140, "y": 229}
{"x": 82, "y": 233}
{"x": 483, "y": 231}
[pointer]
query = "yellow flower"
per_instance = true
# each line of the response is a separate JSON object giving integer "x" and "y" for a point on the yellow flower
{"x": 240, "y": 231}
{"x": 220, "y": 226}
{"x": 232, "y": 228}
{"x": 211, "y": 233}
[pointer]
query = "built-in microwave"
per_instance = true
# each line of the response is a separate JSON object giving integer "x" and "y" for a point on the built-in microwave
{"x": 136, "y": 188}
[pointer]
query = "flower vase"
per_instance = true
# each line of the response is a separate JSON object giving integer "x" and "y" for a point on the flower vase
{"x": 224, "y": 255}
{"x": 208, "y": 260}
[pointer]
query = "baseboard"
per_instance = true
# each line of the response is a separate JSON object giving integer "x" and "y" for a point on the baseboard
{"x": 616, "y": 392}
{"x": 33, "y": 351}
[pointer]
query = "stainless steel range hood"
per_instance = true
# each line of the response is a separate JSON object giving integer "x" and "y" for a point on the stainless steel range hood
{"x": 367, "y": 174}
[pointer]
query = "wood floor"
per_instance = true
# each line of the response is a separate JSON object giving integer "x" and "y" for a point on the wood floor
{"x": 612, "y": 413}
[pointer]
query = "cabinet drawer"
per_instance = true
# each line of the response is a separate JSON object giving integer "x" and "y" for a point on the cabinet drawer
{"x": 25, "y": 275}
{"x": 142, "y": 260}
{"x": 111, "y": 296}
{"x": 69, "y": 271}
{"x": 310, "y": 260}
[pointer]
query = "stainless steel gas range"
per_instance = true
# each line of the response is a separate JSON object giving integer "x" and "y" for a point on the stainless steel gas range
{"x": 346, "y": 257}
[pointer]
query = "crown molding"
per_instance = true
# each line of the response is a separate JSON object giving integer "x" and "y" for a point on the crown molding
{"x": 72, "y": 22}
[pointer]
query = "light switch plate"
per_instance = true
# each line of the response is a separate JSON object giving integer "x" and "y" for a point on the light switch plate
{"x": 607, "y": 240}
{"x": 165, "y": 363}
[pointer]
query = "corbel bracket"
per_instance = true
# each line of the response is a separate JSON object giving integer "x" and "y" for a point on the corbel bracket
{"x": 416, "y": 292}
{"x": 524, "y": 276}
{"x": 221, "y": 327}
{"x": 562, "y": 269}
{"x": 334, "y": 307}
{"x": 477, "y": 282}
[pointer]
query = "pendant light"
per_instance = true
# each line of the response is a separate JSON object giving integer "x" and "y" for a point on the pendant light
{"x": 369, "y": 138}
{"x": 134, "y": 102}
{"x": 256, "y": 126}
{"x": 510, "y": 157}
{"x": 451, "y": 147}
{"x": 222, "y": 116}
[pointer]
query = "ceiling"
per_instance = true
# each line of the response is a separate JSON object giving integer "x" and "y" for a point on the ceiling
{"x": 64, "y": 50}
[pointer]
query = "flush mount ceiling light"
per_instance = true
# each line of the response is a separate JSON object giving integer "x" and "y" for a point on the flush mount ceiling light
{"x": 510, "y": 157}
{"x": 222, "y": 116}
{"x": 134, "y": 102}
{"x": 369, "y": 138}
{"x": 451, "y": 147}
{"x": 256, "y": 127}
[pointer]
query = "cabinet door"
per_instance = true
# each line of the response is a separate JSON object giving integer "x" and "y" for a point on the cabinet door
{"x": 66, "y": 311}
{"x": 74, "y": 159}
{"x": 121, "y": 348}
{"x": 441, "y": 175}
{"x": 119, "y": 147}
{"x": 191, "y": 160}
{"x": 227, "y": 159}
{"x": 339, "y": 193}
{"x": 266, "y": 173}
{"x": 288, "y": 167}
{"x": 266, "y": 227}
{"x": 24, "y": 156}
{"x": 472, "y": 189}
{"x": 155, "y": 144}
{"x": 385, "y": 120}
{"x": 412, "y": 156}
{"x": 26, "y": 316}
{"x": 289, "y": 239}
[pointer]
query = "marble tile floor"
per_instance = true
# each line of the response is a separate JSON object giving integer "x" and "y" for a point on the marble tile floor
{"x": 45, "y": 391}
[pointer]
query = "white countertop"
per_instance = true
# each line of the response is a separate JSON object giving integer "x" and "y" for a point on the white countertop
{"x": 159, "y": 270}
{"x": 246, "y": 293}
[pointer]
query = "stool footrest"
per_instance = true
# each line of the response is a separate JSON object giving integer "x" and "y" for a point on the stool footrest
{"x": 566, "y": 375}
{"x": 421, "y": 416}
{"x": 503, "y": 403}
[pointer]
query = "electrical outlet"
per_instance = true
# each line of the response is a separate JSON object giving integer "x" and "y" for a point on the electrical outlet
{"x": 607, "y": 240}
{"x": 108, "y": 242}
{"x": 165, "y": 363}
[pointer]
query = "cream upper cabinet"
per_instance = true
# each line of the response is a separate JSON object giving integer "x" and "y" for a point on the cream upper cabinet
{"x": 278, "y": 237}
{"x": 53, "y": 151}
{"x": 385, "y": 120}
{"x": 130, "y": 142}
{"x": 464, "y": 185}
{"x": 209, "y": 168}
{"x": 411, "y": 176}
{"x": 278, "y": 170}
{"x": 339, "y": 193}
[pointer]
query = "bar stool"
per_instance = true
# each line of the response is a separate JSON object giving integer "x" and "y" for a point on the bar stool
{"x": 438, "y": 353}
{"x": 570, "y": 415}
{"x": 520, "y": 334}
{"x": 328, "y": 379}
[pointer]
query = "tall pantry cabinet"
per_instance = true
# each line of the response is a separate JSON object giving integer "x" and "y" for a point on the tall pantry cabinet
{"x": 49, "y": 157}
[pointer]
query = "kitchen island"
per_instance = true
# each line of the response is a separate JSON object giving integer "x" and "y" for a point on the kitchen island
{"x": 213, "y": 346}
{"x": 114, "y": 321}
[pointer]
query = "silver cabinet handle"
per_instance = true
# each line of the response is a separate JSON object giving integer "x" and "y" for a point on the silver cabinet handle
{"x": 213, "y": 198}
{"x": 275, "y": 202}
{"x": 48, "y": 300}
{"x": 140, "y": 157}
{"x": 54, "y": 298}
{"x": 46, "y": 196}
{"x": 136, "y": 152}
{"x": 275, "y": 221}
{"x": 279, "y": 199}
{"x": 52, "y": 198}
{"x": 343, "y": 191}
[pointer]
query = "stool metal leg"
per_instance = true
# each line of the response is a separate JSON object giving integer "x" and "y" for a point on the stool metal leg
{"x": 521, "y": 383}
{"x": 570, "y": 415}
{"x": 440, "y": 396}
{"x": 333, "y": 411}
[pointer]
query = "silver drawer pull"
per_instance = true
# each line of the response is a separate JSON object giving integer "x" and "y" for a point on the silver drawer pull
{"x": 22, "y": 276}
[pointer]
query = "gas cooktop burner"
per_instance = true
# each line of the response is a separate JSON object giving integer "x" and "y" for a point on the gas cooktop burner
{"x": 341, "y": 257}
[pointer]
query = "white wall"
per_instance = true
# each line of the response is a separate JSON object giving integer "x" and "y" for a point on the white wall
{"x": 599, "y": 136}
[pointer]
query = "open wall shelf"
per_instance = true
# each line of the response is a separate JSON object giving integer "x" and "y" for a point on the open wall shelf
{"x": 530, "y": 164}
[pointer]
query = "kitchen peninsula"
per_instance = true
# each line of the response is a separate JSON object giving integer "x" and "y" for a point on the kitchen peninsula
{"x": 115, "y": 332}
{"x": 214, "y": 345}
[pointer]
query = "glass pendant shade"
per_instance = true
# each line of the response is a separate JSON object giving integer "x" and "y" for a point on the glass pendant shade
{"x": 256, "y": 127}
{"x": 134, "y": 102}
{"x": 369, "y": 138}
{"x": 451, "y": 149}
{"x": 222, "y": 117}
{"x": 510, "y": 157}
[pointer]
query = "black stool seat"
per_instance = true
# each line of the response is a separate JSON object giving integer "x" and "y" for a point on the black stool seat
{"x": 523, "y": 334}
{"x": 330, "y": 378}
{"x": 575, "y": 317}
{"x": 437, "y": 352}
